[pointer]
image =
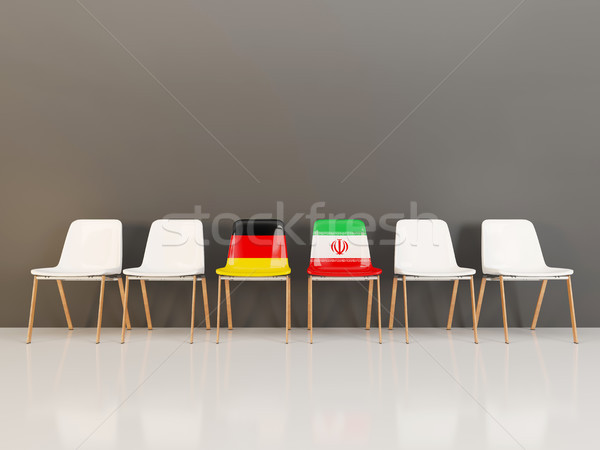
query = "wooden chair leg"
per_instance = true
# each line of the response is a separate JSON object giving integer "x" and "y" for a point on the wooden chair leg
{"x": 206, "y": 310}
{"x": 146, "y": 305}
{"x": 539, "y": 305}
{"x": 100, "y": 307}
{"x": 452, "y": 304}
{"x": 393, "y": 303}
{"x": 63, "y": 299}
{"x": 379, "y": 307}
{"x": 369, "y": 305}
{"x": 122, "y": 291}
{"x": 218, "y": 309}
{"x": 32, "y": 309}
{"x": 405, "y": 308}
{"x": 228, "y": 301}
{"x": 193, "y": 310}
{"x": 472, "y": 283}
{"x": 310, "y": 308}
{"x": 503, "y": 298}
{"x": 289, "y": 294}
{"x": 125, "y": 300}
{"x": 287, "y": 308}
{"x": 480, "y": 300}
{"x": 572, "y": 308}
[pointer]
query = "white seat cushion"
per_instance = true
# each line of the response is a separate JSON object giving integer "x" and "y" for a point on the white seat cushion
{"x": 540, "y": 272}
{"x": 144, "y": 272}
{"x": 62, "y": 272}
{"x": 454, "y": 272}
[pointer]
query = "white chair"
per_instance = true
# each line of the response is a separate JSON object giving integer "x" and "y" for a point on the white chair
{"x": 174, "y": 252}
{"x": 424, "y": 252}
{"x": 92, "y": 252}
{"x": 511, "y": 251}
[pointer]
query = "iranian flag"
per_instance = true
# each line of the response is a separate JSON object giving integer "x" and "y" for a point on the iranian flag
{"x": 339, "y": 245}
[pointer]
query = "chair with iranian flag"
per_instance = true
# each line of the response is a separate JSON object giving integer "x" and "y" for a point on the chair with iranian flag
{"x": 257, "y": 252}
{"x": 340, "y": 252}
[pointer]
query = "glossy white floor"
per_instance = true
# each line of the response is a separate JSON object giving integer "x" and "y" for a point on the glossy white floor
{"x": 345, "y": 391}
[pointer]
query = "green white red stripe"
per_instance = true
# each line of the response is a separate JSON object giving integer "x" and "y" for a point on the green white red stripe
{"x": 340, "y": 242}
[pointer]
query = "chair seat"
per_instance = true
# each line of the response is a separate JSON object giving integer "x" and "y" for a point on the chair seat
{"x": 444, "y": 273}
{"x": 63, "y": 272}
{"x": 341, "y": 271}
{"x": 247, "y": 271}
{"x": 540, "y": 272}
{"x": 147, "y": 272}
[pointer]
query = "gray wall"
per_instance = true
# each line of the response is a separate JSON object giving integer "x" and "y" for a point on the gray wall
{"x": 300, "y": 93}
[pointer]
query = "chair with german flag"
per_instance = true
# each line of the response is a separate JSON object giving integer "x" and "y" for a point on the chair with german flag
{"x": 340, "y": 252}
{"x": 257, "y": 252}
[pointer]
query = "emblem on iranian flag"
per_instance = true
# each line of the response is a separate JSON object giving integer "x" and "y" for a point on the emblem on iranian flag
{"x": 339, "y": 246}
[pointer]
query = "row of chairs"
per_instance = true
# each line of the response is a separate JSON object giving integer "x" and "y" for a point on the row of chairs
{"x": 340, "y": 252}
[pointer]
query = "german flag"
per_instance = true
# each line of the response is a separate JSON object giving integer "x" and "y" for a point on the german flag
{"x": 257, "y": 248}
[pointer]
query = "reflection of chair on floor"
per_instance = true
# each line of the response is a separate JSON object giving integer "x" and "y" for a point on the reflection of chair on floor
{"x": 92, "y": 252}
{"x": 174, "y": 252}
{"x": 511, "y": 251}
{"x": 424, "y": 252}
{"x": 340, "y": 252}
{"x": 257, "y": 252}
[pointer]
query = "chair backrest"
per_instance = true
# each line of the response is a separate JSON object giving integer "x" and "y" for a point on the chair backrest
{"x": 340, "y": 244}
{"x": 258, "y": 243}
{"x": 93, "y": 245}
{"x": 509, "y": 244}
{"x": 175, "y": 244}
{"x": 423, "y": 244}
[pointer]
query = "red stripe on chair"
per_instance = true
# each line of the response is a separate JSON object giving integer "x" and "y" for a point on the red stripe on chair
{"x": 336, "y": 267}
{"x": 257, "y": 247}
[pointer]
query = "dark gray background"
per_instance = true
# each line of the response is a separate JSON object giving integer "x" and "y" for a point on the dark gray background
{"x": 300, "y": 93}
